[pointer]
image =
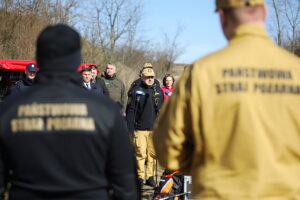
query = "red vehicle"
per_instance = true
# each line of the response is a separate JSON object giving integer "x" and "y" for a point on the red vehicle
{"x": 13, "y": 70}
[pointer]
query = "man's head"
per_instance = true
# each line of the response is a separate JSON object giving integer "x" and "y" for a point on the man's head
{"x": 234, "y": 13}
{"x": 146, "y": 65}
{"x": 86, "y": 74}
{"x": 148, "y": 76}
{"x": 110, "y": 69}
{"x": 223, "y": 4}
{"x": 94, "y": 71}
{"x": 30, "y": 71}
{"x": 58, "y": 49}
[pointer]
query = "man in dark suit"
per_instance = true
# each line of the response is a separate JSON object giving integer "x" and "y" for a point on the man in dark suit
{"x": 87, "y": 84}
{"x": 25, "y": 83}
{"x": 98, "y": 81}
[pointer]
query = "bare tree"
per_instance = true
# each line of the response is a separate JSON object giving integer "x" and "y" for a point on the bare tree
{"x": 63, "y": 11}
{"x": 285, "y": 23}
{"x": 172, "y": 48}
{"x": 292, "y": 13}
{"x": 22, "y": 20}
{"x": 277, "y": 20}
{"x": 113, "y": 24}
{"x": 165, "y": 55}
{"x": 111, "y": 32}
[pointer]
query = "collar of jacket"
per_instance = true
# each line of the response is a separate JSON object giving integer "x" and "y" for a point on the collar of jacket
{"x": 249, "y": 30}
{"x": 28, "y": 81}
{"x": 165, "y": 87}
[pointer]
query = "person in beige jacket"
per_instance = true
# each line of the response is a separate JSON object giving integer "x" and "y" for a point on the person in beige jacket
{"x": 233, "y": 122}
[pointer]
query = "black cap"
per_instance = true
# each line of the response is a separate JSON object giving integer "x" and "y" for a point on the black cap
{"x": 58, "y": 48}
{"x": 31, "y": 67}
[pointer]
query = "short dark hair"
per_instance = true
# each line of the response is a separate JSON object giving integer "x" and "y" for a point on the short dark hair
{"x": 86, "y": 69}
{"x": 165, "y": 78}
{"x": 93, "y": 67}
{"x": 254, "y": 11}
{"x": 109, "y": 63}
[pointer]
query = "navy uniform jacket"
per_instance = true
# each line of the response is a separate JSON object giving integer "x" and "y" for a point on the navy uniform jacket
{"x": 144, "y": 103}
{"x": 21, "y": 85}
{"x": 60, "y": 142}
{"x": 95, "y": 88}
{"x": 101, "y": 84}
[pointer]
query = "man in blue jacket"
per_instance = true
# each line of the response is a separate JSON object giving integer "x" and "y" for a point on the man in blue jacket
{"x": 27, "y": 81}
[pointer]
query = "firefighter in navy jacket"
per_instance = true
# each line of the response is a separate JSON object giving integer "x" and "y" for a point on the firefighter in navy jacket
{"x": 60, "y": 142}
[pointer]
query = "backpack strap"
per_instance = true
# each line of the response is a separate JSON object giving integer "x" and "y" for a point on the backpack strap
{"x": 167, "y": 187}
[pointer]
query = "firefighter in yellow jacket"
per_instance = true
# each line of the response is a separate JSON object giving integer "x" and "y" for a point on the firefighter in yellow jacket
{"x": 234, "y": 120}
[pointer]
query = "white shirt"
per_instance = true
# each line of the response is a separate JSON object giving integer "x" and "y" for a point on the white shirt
{"x": 88, "y": 85}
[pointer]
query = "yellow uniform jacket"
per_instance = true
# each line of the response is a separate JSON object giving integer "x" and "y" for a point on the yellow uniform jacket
{"x": 233, "y": 122}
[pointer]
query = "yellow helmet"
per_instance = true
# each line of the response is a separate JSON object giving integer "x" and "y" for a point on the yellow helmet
{"x": 237, "y": 3}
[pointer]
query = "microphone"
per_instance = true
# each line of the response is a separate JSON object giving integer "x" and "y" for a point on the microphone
{"x": 168, "y": 93}
{"x": 139, "y": 92}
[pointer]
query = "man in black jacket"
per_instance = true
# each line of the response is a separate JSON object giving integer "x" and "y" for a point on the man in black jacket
{"x": 87, "y": 84}
{"x": 25, "y": 83}
{"x": 144, "y": 102}
{"x": 139, "y": 81}
{"x": 60, "y": 142}
{"x": 98, "y": 81}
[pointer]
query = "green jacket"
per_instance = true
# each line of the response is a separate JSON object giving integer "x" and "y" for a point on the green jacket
{"x": 234, "y": 122}
{"x": 116, "y": 89}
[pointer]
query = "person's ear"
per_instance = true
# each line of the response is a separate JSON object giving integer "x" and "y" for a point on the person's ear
{"x": 265, "y": 13}
{"x": 223, "y": 19}
{"x": 226, "y": 23}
